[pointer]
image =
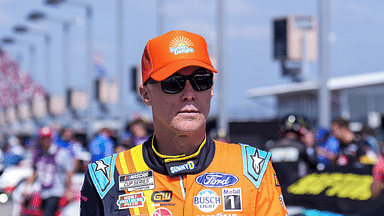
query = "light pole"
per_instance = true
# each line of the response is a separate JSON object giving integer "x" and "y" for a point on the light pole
{"x": 324, "y": 63}
{"x": 89, "y": 52}
{"x": 160, "y": 17}
{"x": 21, "y": 29}
{"x": 120, "y": 57}
{"x": 38, "y": 16}
{"x": 223, "y": 121}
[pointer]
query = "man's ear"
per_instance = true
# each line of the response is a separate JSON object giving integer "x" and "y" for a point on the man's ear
{"x": 144, "y": 93}
{"x": 211, "y": 92}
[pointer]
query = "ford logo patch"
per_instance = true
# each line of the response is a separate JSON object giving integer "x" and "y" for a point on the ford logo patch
{"x": 216, "y": 180}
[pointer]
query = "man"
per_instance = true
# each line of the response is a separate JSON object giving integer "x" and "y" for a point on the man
{"x": 327, "y": 149}
{"x": 294, "y": 154}
{"x": 178, "y": 170}
{"x": 53, "y": 169}
{"x": 352, "y": 148}
{"x": 102, "y": 145}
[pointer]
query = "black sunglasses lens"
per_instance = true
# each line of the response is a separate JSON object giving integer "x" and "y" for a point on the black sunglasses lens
{"x": 173, "y": 84}
{"x": 202, "y": 82}
{"x": 176, "y": 83}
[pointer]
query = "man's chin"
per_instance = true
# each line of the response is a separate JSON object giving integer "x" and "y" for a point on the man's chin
{"x": 189, "y": 128}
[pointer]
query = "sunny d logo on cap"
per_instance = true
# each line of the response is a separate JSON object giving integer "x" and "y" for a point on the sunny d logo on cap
{"x": 180, "y": 44}
{"x": 172, "y": 51}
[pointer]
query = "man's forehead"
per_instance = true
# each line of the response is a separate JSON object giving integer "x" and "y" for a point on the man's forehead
{"x": 187, "y": 70}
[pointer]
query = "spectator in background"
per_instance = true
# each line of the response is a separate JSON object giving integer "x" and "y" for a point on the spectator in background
{"x": 327, "y": 148}
{"x": 372, "y": 149}
{"x": 102, "y": 145}
{"x": 1, "y": 162}
{"x": 310, "y": 159}
{"x": 53, "y": 170}
{"x": 139, "y": 131}
{"x": 125, "y": 142}
{"x": 352, "y": 148}
{"x": 377, "y": 185}
{"x": 66, "y": 140}
{"x": 291, "y": 157}
{"x": 14, "y": 152}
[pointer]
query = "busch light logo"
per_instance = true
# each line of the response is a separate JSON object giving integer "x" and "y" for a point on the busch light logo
{"x": 216, "y": 180}
{"x": 180, "y": 45}
{"x": 207, "y": 201}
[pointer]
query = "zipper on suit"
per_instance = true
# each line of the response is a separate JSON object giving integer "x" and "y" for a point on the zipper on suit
{"x": 182, "y": 186}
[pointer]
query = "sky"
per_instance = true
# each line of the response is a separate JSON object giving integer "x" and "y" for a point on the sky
{"x": 357, "y": 47}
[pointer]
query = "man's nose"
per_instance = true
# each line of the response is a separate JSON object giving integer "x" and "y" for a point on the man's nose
{"x": 188, "y": 92}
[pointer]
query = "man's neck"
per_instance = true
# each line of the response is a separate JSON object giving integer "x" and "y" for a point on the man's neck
{"x": 176, "y": 144}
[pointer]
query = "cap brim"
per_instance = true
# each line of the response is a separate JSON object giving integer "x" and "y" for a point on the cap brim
{"x": 175, "y": 66}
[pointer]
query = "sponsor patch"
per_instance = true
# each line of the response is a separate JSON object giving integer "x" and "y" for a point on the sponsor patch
{"x": 162, "y": 204}
{"x": 161, "y": 196}
{"x": 216, "y": 180}
{"x": 162, "y": 212}
{"x": 181, "y": 44}
{"x": 137, "y": 181}
{"x": 180, "y": 167}
{"x": 131, "y": 200}
{"x": 232, "y": 199}
{"x": 187, "y": 166}
{"x": 207, "y": 200}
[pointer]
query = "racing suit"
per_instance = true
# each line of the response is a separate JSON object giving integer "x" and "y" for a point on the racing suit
{"x": 219, "y": 179}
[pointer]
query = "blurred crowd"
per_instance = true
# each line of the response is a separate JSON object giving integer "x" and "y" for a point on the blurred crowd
{"x": 53, "y": 155}
{"x": 14, "y": 149}
{"x": 302, "y": 150}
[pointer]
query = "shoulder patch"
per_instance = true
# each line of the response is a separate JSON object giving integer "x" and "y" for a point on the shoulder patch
{"x": 255, "y": 163}
{"x": 102, "y": 174}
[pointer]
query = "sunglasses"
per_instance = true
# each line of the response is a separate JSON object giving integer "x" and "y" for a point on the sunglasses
{"x": 176, "y": 83}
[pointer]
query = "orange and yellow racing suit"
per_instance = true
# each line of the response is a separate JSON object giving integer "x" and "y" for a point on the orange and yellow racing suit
{"x": 219, "y": 179}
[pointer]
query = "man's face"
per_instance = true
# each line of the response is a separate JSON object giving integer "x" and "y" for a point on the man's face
{"x": 183, "y": 113}
{"x": 338, "y": 131}
{"x": 46, "y": 142}
{"x": 67, "y": 135}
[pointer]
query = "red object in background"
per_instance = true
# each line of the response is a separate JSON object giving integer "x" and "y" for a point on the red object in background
{"x": 342, "y": 160}
{"x": 32, "y": 206}
{"x": 63, "y": 202}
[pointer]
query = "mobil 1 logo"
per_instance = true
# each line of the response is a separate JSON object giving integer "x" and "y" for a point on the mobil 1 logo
{"x": 232, "y": 199}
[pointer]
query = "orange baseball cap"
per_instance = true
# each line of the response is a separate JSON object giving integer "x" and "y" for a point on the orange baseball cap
{"x": 172, "y": 51}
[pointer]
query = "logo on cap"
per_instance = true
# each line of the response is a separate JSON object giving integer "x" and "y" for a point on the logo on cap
{"x": 181, "y": 44}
